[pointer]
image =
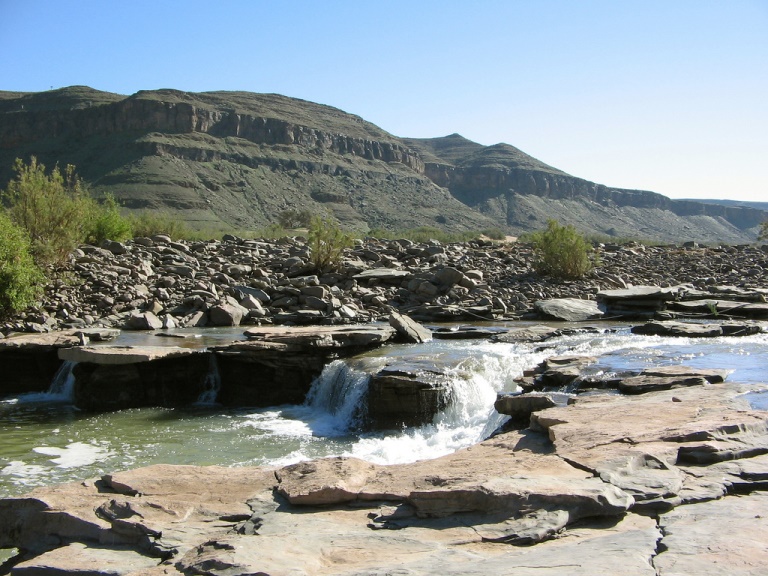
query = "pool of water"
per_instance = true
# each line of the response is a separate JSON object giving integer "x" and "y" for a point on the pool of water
{"x": 45, "y": 440}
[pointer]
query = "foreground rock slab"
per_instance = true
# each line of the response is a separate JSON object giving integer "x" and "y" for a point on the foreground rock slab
{"x": 571, "y": 484}
{"x": 725, "y": 536}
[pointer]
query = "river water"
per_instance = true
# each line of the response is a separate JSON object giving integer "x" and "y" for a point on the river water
{"x": 45, "y": 440}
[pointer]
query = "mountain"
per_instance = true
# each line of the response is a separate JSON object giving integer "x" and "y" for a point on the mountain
{"x": 238, "y": 159}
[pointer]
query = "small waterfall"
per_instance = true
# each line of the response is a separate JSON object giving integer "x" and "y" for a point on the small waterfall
{"x": 339, "y": 393}
{"x": 62, "y": 388}
{"x": 211, "y": 384}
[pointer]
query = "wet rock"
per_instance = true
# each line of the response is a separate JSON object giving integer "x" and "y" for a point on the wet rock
{"x": 643, "y": 384}
{"x": 407, "y": 394}
{"x": 537, "y": 333}
{"x": 638, "y": 301}
{"x": 558, "y": 371}
{"x": 691, "y": 330}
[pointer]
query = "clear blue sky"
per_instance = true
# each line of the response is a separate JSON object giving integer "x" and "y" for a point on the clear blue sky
{"x": 662, "y": 95}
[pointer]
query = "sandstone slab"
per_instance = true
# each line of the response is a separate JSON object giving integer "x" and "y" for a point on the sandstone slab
{"x": 569, "y": 309}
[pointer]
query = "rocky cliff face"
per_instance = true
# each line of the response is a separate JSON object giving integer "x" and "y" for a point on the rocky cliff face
{"x": 238, "y": 159}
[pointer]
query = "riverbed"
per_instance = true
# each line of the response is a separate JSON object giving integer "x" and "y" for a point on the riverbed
{"x": 45, "y": 440}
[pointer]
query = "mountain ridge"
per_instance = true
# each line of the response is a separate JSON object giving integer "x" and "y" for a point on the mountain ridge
{"x": 237, "y": 159}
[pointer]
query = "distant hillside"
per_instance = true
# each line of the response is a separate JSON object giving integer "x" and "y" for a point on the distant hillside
{"x": 735, "y": 203}
{"x": 237, "y": 159}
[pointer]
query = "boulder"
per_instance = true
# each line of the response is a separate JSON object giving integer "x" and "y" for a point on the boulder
{"x": 143, "y": 321}
{"x": 225, "y": 314}
{"x": 406, "y": 394}
{"x": 521, "y": 406}
{"x": 408, "y": 329}
{"x": 569, "y": 309}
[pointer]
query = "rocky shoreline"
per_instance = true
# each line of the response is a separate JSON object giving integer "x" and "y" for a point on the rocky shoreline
{"x": 155, "y": 283}
{"x": 595, "y": 487}
{"x": 664, "y": 475}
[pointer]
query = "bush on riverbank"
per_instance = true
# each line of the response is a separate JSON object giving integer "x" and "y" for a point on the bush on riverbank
{"x": 57, "y": 212}
{"x": 562, "y": 252}
{"x": 327, "y": 242}
{"x": 21, "y": 281}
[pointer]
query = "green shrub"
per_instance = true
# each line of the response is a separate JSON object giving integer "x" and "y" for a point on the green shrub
{"x": 20, "y": 279}
{"x": 424, "y": 234}
{"x": 561, "y": 251}
{"x": 327, "y": 243}
{"x": 53, "y": 208}
{"x": 150, "y": 223}
{"x": 294, "y": 218}
{"x": 273, "y": 232}
{"x": 495, "y": 233}
{"x": 106, "y": 222}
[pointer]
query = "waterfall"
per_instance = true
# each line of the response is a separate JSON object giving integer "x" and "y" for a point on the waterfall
{"x": 338, "y": 395}
{"x": 62, "y": 388}
{"x": 211, "y": 384}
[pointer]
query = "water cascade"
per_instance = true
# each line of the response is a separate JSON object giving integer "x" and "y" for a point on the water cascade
{"x": 62, "y": 388}
{"x": 211, "y": 384}
{"x": 338, "y": 395}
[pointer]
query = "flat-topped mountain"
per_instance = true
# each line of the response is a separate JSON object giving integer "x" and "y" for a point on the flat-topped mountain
{"x": 238, "y": 159}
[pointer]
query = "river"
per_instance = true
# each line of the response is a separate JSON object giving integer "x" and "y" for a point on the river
{"x": 45, "y": 440}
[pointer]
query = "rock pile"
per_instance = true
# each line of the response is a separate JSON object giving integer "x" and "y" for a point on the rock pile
{"x": 152, "y": 283}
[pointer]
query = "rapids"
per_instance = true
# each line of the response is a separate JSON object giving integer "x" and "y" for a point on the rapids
{"x": 45, "y": 440}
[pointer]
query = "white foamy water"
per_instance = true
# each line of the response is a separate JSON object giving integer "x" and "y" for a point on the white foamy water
{"x": 75, "y": 454}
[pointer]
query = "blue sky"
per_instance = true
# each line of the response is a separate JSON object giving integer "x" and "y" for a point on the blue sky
{"x": 669, "y": 96}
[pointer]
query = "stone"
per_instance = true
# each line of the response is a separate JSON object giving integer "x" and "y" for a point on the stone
{"x": 642, "y": 384}
{"x": 143, "y": 321}
{"x": 694, "y": 330}
{"x": 536, "y": 333}
{"x": 521, "y": 406}
{"x": 383, "y": 274}
{"x": 408, "y": 329}
{"x": 117, "y": 355}
{"x": 406, "y": 394}
{"x": 719, "y": 537}
{"x": 448, "y": 276}
{"x": 569, "y": 309}
{"x": 79, "y": 558}
{"x": 226, "y": 315}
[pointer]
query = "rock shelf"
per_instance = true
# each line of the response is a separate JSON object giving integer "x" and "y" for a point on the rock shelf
{"x": 596, "y": 487}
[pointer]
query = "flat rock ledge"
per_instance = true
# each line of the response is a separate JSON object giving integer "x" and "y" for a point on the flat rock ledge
{"x": 663, "y": 483}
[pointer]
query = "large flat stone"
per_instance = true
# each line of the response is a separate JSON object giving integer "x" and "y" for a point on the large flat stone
{"x": 725, "y": 536}
{"x": 569, "y": 309}
{"x": 117, "y": 355}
